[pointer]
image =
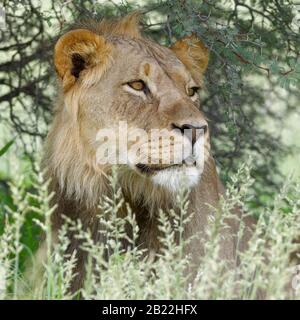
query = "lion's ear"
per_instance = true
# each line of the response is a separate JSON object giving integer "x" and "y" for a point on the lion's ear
{"x": 81, "y": 54}
{"x": 193, "y": 54}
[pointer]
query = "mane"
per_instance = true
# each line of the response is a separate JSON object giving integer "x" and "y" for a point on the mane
{"x": 125, "y": 26}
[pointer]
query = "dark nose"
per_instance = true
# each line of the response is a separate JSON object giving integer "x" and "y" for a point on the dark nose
{"x": 191, "y": 131}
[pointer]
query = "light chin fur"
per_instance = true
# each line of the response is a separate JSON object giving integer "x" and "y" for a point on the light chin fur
{"x": 174, "y": 179}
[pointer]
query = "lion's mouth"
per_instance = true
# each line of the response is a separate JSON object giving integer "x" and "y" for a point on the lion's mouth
{"x": 152, "y": 169}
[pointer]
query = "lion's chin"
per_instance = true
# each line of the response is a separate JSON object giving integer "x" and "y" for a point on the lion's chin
{"x": 177, "y": 177}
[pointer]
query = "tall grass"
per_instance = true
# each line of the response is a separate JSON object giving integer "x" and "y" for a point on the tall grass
{"x": 265, "y": 268}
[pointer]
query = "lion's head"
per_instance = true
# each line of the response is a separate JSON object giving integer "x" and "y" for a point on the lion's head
{"x": 109, "y": 74}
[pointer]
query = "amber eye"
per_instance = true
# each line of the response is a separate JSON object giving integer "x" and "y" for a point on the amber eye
{"x": 138, "y": 85}
{"x": 192, "y": 91}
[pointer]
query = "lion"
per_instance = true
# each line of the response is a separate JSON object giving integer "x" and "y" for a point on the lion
{"x": 109, "y": 72}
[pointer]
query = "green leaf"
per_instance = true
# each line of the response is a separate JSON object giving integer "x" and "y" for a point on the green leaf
{"x": 6, "y": 147}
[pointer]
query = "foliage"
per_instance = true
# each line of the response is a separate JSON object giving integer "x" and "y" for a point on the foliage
{"x": 4, "y": 149}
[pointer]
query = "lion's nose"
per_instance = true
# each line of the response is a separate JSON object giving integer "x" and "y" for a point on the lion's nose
{"x": 191, "y": 131}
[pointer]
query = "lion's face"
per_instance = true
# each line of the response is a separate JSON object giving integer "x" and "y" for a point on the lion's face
{"x": 137, "y": 103}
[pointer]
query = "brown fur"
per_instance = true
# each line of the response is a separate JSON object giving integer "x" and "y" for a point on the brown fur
{"x": 91, "y": 98}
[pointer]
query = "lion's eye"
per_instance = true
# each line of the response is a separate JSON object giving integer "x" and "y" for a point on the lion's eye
{"x": 138, "y": 85}
{"x": 192, "y": 91}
